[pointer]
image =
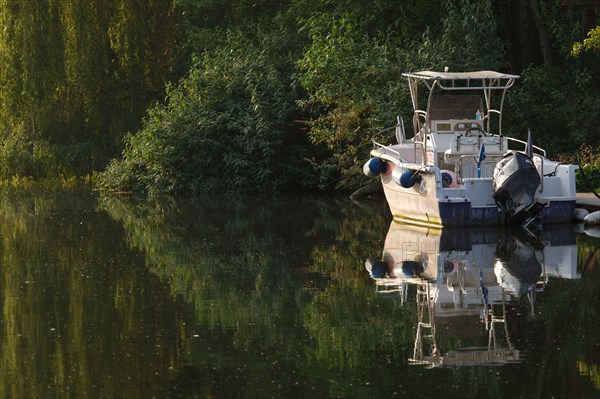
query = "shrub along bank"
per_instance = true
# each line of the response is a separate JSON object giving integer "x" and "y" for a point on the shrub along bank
{"x": 268, "y": 96}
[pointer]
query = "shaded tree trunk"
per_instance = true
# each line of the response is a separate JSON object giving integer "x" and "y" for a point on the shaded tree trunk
{"x": 544, "y": 38}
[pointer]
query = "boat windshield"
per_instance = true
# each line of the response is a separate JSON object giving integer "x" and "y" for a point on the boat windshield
{"x": 459, "y": 106}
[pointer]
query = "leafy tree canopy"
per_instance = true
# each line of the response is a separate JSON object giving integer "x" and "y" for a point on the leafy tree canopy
{"x": 277, "y": 95}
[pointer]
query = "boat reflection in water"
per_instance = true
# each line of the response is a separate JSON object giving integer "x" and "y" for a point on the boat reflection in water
{"x": 464, "y": 281}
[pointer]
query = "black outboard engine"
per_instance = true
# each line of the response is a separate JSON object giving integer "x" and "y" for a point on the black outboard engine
{"x": 515, "y": 182}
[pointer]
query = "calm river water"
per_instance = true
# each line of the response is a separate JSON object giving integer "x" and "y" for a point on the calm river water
{"x": 291, "y": 297}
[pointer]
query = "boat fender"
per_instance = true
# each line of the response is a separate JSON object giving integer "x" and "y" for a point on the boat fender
{"x": 592, "y": 231}
{"x": 579, "y": 214}
{"x": 397, "y": 174}
{"x": 411, "y": 268}
{"x": 449, "y": 179}
{"x": 374, "y": 167}
{"x": 592, "y": 219}
{"x": 409, "y": 178}
{"x": 377, "y": 268}
{"x": 578, "y": 228}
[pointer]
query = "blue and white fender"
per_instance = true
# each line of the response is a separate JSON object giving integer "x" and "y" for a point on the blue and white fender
{"x": 374, "y": 167}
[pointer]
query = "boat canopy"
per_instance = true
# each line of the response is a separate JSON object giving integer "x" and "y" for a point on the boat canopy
{"x": 484, "y": 81}
{"x": 488, "y": 79}
{"x": 460, "y": 75}
{"x": 481, "y": 79}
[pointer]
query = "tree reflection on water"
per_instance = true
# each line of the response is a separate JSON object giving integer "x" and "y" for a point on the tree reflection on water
{"x": 262, "y": 297}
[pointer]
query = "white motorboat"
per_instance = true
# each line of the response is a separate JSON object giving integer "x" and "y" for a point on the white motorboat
{"x": 458, "y": 169}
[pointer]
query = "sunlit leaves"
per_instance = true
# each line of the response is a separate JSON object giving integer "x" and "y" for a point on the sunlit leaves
{"x": 353, "y": 83}
{"x": 591, "y": 43}
{"x": 75, "y": 76}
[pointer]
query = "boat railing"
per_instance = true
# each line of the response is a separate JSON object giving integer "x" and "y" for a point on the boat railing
{"x": 385, "y": 147}
{"x": 399, "y": 130}
{"x": 388, "y": 148}
{"x": 473, "y": 158}
{"x": 524, "y": 143}
{"x": 493, "y": 160}
{"x": 387, "y": 129}
{"x": 541, "y": 171}
{"x": 419, "y": 120}
{"x": 420, "y": 112}
{"x": 488, "y": 119}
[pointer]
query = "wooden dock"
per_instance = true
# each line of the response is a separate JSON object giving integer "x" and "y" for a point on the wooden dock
{"x": 588, "y": 201}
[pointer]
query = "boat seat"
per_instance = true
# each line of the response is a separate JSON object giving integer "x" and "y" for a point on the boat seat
{"x": 465, "y": 157}
{"x": 470, "y": 146}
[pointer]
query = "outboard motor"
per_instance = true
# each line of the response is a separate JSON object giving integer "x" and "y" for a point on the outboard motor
{"x": 515, "y": 182}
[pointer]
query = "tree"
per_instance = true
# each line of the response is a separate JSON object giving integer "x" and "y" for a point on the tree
{"x": 544, "y": 38}
{"x": 74, "y": 77}
{"x": 227, "y": 126}
{"x": 354, "y": 79}
{"x": 354, "y": 87}
{"x": 591, "y": 43}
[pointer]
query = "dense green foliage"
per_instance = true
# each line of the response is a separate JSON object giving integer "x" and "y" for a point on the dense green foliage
{"x": 74, "y": 77}
{"x": 231, "y": 118}
{"x": 588, "y": 178}
{"x": 354, "y": 79}
{"x": 561, "y": 102}
{"x": 267, "y": 95}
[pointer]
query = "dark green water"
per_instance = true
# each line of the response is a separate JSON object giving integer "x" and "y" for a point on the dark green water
{"x": 224, "y": 298}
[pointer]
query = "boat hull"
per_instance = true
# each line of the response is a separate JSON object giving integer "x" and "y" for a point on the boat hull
{"x": 432, "y": 205}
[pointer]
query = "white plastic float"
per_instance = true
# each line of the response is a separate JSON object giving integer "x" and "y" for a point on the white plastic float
{"x": 579, "y": 214}
{"x": 592, "y": 218}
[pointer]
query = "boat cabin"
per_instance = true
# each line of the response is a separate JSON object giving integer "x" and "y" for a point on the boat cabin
{"x": 455, "y": 128}
{"x": 456, "y": 134}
